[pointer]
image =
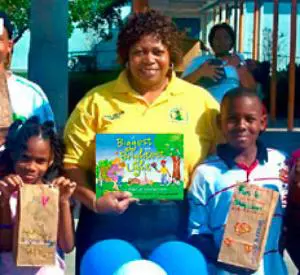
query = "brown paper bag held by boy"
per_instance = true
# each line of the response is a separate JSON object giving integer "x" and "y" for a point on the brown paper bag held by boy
{"x": 36, "y": 230}
{"x": 247, "y": 226}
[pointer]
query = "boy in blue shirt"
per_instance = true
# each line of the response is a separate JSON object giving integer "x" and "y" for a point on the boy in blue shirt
{"x": 242, "y": 159}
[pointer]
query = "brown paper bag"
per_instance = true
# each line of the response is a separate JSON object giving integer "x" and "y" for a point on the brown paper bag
{"x": 251, "y": 211}
{"x": 5, "y": 108}
{"x": 37, "y": 226}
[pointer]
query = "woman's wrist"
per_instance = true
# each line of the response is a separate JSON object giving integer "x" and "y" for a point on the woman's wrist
{"x": 99, "y": 205}
{"x": 64, "y": 202}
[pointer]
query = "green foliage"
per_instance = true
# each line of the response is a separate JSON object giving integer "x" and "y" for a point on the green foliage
{"x": 104, "y": 163}
{"x": 102, "y": 167}
{"x": 98, "y": 15}
{"x": 169, "y": 145}
{"x": 18, "y": 11}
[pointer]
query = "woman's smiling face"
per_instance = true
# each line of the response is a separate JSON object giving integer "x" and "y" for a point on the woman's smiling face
{"x": 149, "y": 61}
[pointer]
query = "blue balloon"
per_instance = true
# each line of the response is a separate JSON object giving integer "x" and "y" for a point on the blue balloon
{"x": 107, "y": 256}
{"x": 179, "y": 258}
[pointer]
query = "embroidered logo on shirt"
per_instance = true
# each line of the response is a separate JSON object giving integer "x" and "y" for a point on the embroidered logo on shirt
{"x": 178, "y": 115}
{"x": 284, "y": 174}
{"x": 114, "y": 116}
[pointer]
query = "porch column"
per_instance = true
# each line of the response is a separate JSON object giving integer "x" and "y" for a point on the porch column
{"x": 227, "y": 14}
{"x": 215, "y": 16}
{"x": 273, "y": 91}
{"x": 204, "y": 28}
{"x": 241, "y": 27}
{"x": 292, "y": 68}
{"x": 48, "y": 54}
{"x": 256, "y": 28}
{"x": 235, "y": 23}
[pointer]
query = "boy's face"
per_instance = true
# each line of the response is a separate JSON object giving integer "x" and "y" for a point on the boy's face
{"x": 6, "y": 45}
{"x": 242, "y": 120}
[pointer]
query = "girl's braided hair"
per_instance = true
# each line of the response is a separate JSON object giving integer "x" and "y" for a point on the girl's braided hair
{"x": 16, "y": 142}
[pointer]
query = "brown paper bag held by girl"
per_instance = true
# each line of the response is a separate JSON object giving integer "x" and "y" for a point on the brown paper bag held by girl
{"x": 36, "y": 230}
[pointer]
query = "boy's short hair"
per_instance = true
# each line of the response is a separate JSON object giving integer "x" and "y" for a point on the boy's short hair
{"x": 239, "y": 92}
{"x": 7, "y": 24}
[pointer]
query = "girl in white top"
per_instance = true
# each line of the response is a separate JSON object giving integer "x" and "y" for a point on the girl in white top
{"x": 33, "y": 155}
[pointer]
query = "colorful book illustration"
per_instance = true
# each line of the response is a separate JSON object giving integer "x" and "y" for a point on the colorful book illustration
{"x": 150, "y": 166}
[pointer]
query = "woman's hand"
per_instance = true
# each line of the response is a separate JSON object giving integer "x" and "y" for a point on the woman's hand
{"x": 233, "y": 60}
{"x": 215, "y": 72}
{"x": 66, "y": 188}
{"x": 9, "y": 184}
{"x": 114, "y": 202}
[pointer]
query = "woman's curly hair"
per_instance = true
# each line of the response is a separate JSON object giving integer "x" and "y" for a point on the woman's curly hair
{"x": 16, "y": 143}
{"x": 151, "y": 22}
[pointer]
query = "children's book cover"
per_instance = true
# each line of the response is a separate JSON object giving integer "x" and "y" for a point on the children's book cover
{"x": 150, "y": 166}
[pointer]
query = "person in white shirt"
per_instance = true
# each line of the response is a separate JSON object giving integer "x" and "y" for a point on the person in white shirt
{"x": 26, "y": 98}
{"x": 243, "y": 158}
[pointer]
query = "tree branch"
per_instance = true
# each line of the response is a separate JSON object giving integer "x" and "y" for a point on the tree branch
{"x": 20, "y": 34}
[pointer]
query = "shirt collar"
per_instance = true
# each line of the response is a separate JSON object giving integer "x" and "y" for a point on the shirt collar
{"x": 122, "y": 84}
{"x": 228, "y": 154}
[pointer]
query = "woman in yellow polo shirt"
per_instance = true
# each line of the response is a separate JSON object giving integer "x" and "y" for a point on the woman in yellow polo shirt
{"x": 143, "y": 99}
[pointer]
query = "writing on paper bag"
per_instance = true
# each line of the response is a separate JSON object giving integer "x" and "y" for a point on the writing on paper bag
{"x": 37, "y": 226}
{"x": 247, "y": 227}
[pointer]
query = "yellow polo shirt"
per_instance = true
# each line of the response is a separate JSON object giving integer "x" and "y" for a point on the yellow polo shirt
{"x": 116, "y": 108}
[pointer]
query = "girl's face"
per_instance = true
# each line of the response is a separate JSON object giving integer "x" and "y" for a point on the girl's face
{"x": 34, "y": 161}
